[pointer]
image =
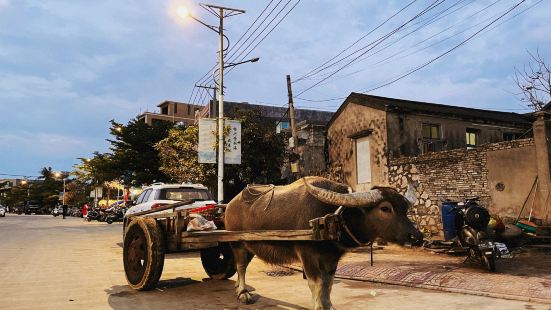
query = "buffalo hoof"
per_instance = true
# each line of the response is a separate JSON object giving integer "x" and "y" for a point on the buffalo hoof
{"x": 245, "y": 297}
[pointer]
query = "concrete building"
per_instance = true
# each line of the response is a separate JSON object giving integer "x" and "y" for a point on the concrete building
{"x": 172, "y": 111}
{"x": 445, "y": 152}
{"x": 366, "y": 131}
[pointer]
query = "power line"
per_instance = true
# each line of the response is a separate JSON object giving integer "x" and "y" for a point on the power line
{"x": 20, "y": 175}
{"x": 389, "y": 58}
{"x": 269, "y": 32}
{"x": 313, "y": 71}
{"x": 445, "y": 53}
{"x": 376, "y": 43}
{"x": 236, "y": 47}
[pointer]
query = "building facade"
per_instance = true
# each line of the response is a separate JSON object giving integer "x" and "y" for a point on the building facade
{"x": 172, "y": 111}
{"x": 367, "y": 131}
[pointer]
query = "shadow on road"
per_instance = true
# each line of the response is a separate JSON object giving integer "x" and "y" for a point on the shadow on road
{"x": 186, "y": 293}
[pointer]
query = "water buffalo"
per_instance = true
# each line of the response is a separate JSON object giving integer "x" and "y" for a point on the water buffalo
{"x": 380, "y": 212}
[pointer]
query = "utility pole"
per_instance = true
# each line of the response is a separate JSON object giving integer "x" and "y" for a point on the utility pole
{"x": 291, "y": 111}
{"x": 213, "y": 88}
{"x": 221, "y": 110}
{"x": 294, "y": 165}
{"x": 221, "y": 12}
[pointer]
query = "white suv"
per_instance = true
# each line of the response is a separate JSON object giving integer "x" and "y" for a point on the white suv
{"x": 159, "y": 195}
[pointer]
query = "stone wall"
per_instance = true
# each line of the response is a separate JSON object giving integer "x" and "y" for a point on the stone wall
{"x": 454, "y": 175}
{"x": 342, "y": 147}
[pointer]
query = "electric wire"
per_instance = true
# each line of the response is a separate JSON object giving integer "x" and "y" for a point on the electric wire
{"x": 312, "y": 72}
{"x": 376, "y": 43}
{"x": 411, "y": 71}
{"x": 205, "y": 78}
{"x": 390, "y": 59}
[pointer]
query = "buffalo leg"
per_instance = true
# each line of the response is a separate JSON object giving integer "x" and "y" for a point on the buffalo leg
{"x": 320, "y": 279}
{"x": 242, "y": 259}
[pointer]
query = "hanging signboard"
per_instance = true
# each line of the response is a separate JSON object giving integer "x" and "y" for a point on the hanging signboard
{"x": 232, "y": 153}
{"x": 207, "y": 141}
{"x": 97, "y": 192}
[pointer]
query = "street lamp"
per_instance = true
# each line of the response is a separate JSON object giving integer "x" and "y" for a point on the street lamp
{"x": 221, "y": 13}
{"x": 25, "y": 182}
{"x": 59, "y": 175}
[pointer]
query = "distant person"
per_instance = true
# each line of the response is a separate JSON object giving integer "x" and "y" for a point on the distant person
{"x": 85, "y": 211}
{"x": 64, "y": 208}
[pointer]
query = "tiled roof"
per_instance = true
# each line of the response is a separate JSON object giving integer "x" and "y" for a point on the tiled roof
{"x": 417, "y": 107}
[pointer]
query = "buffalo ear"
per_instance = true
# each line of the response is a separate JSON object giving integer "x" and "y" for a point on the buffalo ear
{"x": 411, "y": 194}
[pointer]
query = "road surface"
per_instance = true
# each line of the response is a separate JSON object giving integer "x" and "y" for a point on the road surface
{"x": 51, "y": 263}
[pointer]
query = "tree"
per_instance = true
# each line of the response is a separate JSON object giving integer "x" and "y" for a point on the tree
{"x": 76, "y": 193}
{"x": 179, "y": 159}
{"x": 46, "y": 173}
{"x": 133, "y": 153}
{"x": 97, "y": 170}
{"x": 534, "y": 82}
{"x": 263, "y": 152}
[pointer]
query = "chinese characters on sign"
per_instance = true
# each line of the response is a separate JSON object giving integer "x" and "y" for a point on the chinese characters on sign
{"x": 207, "y": 141}
{"x": 232, "y": 152}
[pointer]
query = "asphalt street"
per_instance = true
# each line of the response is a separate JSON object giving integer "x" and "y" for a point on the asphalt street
{"x": 51, "y": 263}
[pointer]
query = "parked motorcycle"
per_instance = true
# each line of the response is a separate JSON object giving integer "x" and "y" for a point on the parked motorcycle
{"x": 468, "y": 222}
{"x": 116, "y": 216}
{"x": 93, "y": 214}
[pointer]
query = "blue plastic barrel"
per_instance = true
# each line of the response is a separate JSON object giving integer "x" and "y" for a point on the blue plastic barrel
{"x": 449, "y": 212}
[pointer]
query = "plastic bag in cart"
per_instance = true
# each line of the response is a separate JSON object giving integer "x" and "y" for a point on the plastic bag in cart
{"x": 199, "y": 223}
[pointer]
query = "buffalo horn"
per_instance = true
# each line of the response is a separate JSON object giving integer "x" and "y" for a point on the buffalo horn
{"x": 358, "y": 199}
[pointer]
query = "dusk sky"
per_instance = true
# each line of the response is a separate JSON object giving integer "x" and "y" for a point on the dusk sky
{"x": 68, "y": 67}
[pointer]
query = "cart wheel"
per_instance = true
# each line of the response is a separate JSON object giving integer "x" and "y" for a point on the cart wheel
{"x": 218, "y": 262}
{"x": 143, "y": 254}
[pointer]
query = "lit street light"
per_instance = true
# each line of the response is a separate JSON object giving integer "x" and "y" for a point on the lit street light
{"x": 220, "y": 12}
{"x": 25, "y": 182}
{"x": 57, "y": 176}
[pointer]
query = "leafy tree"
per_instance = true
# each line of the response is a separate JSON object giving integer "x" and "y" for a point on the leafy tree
{"x": 97, "y": 170}
{"x": 14, "y": 196}
{"x": 134, "y": 156}
{"x": 47, "y": 173}
{"x": 179, "y": 159}
{"x": 76, "y": 193}
{"x": 263, "y": 152}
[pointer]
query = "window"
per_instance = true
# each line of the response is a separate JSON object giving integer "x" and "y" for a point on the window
{"x": 471, "y": 136}
{"x": 431, "y": 138}
{"x": 281, "y": 126}
{"x": 147, "y": 194}
{"x": 164, "y": 110}
{"x": 182, "y": 194}
{"x": 431, "y": 131}
{"x": 363, "y": 160}
{"x": 175, "y": 108}
{"x": 142, "y": 196}
{"x": 508, "y": 136}
{"x": 188, "y": 110}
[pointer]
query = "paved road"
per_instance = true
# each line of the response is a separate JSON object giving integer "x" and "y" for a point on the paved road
{"x": 50, "y": 263}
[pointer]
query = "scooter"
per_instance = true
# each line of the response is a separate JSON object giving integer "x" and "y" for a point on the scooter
{"x": 93, "y": 214}
{"x": 471, "y": 222}
{"x": 116, "y": 216}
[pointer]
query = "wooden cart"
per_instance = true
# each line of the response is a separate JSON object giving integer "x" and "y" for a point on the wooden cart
{"x": 149, "y": 235}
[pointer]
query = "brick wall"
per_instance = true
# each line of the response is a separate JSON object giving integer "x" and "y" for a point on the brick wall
{"x": 454, "y": 175}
